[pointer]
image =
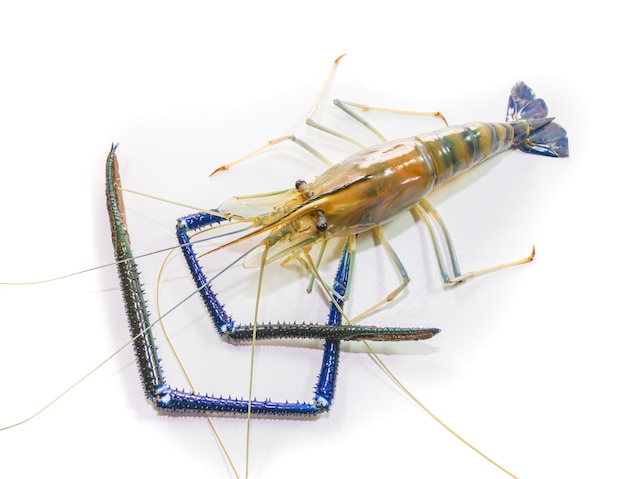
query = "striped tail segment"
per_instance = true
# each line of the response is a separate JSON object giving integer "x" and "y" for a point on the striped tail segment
{"x": 455, "y": 149}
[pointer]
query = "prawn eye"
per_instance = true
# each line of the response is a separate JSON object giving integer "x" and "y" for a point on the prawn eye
{"x": 321, "y": 224}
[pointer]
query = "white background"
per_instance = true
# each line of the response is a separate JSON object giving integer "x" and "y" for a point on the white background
{"x": 529, "y": 365}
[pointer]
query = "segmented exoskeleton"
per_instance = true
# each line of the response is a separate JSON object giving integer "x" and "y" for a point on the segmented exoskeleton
{"x": 356, "y": 195}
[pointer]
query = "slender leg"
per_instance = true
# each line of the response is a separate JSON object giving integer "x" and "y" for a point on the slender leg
{"x": 425, "y": 212}
{"x": 294, "y": 139}
{"x": 395, "y": 260}
{"x": 345, "y": 106}
{"x": 301, "y": 143}
{"x": 348, "y": 108}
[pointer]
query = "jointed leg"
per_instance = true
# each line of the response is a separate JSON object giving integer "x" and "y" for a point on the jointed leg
{"x": 294, "y": 139}
{"x": 395, "y": 260}
{"x": 433, "y": 221}
{"x": 348, "y": 107}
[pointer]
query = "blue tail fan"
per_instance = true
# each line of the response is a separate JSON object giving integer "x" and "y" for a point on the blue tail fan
{"x": 547, "y": 138}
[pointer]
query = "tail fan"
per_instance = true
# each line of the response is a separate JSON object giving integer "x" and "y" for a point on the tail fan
{"x": 546, "y": 138}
